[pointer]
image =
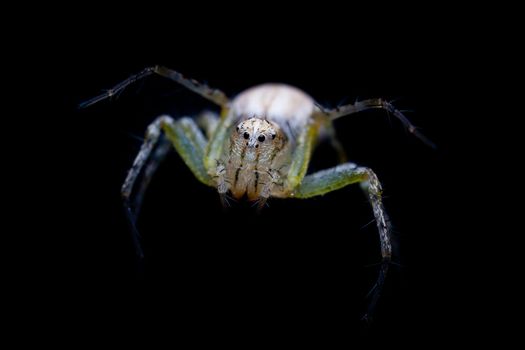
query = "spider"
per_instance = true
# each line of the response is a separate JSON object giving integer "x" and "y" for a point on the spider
{"x": 258, "y": 147}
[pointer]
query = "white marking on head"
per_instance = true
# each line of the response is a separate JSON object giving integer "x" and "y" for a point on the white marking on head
{"x": 256, "y": 131}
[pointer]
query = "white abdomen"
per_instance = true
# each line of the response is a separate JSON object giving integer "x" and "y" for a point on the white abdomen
{"x": 283, "y": 104}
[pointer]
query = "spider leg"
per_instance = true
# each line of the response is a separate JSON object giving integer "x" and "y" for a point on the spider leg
{"x": 214, "y": 95}
{"x": 375, "y": 103}
{"x": 301, "y": 156}
{"x": 336, "y": 144}
{"x": 159, "y": 154}
{"x": 189, "y": 142}
{"x": 218, "y": 139}
{"x": 208, "y": 121}
{"x": 340, "y": 176}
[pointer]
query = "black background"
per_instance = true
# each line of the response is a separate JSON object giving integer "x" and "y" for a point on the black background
{"x": 300, "y": 269}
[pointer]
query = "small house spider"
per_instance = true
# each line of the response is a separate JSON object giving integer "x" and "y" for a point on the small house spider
{"x": 259, "y": 147}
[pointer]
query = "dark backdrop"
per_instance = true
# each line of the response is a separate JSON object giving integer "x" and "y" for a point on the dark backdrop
{"x": 301, "y": 268}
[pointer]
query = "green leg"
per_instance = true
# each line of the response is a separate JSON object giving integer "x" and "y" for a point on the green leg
{"x": 208, "y": 121}
{"x": 219, "y": 138}
{"x": 189, "y": 142}
{"x": 301, "y": 156}
{"x": 336, "y": 144}
{"x": 340, "y": 176}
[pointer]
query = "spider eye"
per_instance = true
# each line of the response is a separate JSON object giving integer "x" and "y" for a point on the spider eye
{"x": 261, "y": 138}
{"x": 246, "y": 135}
{"x": 273, "y": 136}
{"x": 237, "y": 128}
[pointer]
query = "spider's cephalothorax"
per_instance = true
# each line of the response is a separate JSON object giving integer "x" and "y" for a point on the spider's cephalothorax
{"x": 260, "y": 147}
{"x": 254, "y": 158}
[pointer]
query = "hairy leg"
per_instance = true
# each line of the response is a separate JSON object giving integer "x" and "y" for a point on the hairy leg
{"x": 301, "y": 156}
{"x": 208, "y": 121}
{"x": 157, "y": 157}
{"x": 336, "y": 144}
{"x": 216, "y": 96}
{"x": 375, "y": 103}
{"x": 340, "y": 176}
{"x": 189, "y": 142}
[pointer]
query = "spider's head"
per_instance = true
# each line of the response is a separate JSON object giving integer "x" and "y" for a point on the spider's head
{"x": 256, "y": 136}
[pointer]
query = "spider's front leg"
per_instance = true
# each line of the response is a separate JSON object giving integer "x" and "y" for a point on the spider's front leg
{"x": 340, "y": 176}
{"x": 188, "y": 141}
